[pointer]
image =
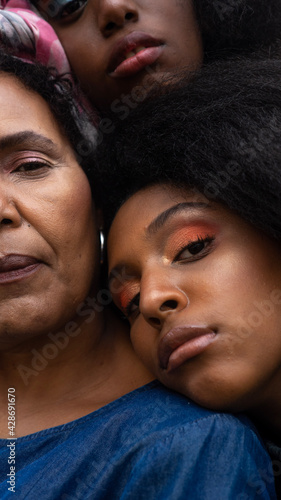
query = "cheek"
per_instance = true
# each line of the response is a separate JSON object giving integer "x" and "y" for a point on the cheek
{"x": 71, "y": 230}
{"x": 237, "y": 277}
{"x": 77, "y": 200}
{"x": 85, "y": 59}
{"x": 144, "y": 341}
{"x": 79, "y": 228}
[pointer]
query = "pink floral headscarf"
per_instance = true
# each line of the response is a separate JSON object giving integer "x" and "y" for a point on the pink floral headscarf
{"x": 32, "y": 37}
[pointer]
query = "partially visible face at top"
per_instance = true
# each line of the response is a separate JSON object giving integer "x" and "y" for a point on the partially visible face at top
{"x": 118, "y": 48}
{"x": 201, "y": 289}
{"x": 48, "y": 251}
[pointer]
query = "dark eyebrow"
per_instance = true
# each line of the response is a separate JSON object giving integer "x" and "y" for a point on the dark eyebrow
{"x": 32, "y": 140}
{"x": 160, "y": 220}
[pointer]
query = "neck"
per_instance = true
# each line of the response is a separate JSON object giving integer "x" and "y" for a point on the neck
{"x": 267, "y": 414}
{"x": 60, "y": 377}
{"x": 27, "y": 365}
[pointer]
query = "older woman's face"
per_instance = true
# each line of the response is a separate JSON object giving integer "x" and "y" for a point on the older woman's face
{"x": 47, "y": 233}
{"x": 117, "y": 48}
{"x": 202, "y": 291}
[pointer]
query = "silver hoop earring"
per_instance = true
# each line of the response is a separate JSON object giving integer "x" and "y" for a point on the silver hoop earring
{"x": 101, "y": 235}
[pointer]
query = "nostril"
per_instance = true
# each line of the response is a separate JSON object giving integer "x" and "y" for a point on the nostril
{"x": 169, "y": 304}
{"x": 129, "y": 16}
{"x": 155, "y": 321}
{"x": 6, "y": 221}
{"x": 110, "y": 26}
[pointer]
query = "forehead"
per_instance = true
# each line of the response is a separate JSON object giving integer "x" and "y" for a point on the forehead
{"x": 22, "y": 109}
{"x": 137, "y": 213}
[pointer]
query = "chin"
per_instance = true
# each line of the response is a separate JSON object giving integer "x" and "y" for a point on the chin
{"x": 214, "y": 396}
{"x": 219, "y": 403}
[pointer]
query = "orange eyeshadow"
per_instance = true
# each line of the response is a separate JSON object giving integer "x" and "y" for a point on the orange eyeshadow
{"x": 190, "y": 233}
{"x": 126, "y": 294}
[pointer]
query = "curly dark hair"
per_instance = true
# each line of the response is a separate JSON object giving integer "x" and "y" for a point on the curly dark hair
{"x": 219, "y": 133}
{"x": 230, "y": 27}
{"x": 62, "y": 98}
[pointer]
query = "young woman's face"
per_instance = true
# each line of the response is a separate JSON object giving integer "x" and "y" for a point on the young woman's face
{"x": 47, "y": 229}
{"x": 117, "y": 48}
{"x": 202, "y": 291}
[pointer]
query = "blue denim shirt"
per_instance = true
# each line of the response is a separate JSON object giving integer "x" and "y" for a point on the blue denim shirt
{"x": 151, "y": 444}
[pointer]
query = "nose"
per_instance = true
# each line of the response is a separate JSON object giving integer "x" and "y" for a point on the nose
{"x": 114, "y": 14}
{"x": 9, "y": 215}
{"x": 159, "y": 298}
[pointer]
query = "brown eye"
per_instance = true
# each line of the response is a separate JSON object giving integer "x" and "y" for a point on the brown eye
{"x": 196, "y": 247}
{"x": 72, "y": 8}
{"x": 195, "y": 250}
{"x": 31, "y": 166}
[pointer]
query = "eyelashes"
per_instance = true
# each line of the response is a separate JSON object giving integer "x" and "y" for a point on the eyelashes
{"x": 64, "y": 9}
{"x": 133, "y": 306}
{"x": 31, "y": 167}
{"x": 28, "y": 165}
{"x": 195, "y": 249}
{"x": 127, "y": 298}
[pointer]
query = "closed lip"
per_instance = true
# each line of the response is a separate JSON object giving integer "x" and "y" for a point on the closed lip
{"x": 129, "y": 43}
{"x": 14, "y": 262}
{"x": 177, "y": 337}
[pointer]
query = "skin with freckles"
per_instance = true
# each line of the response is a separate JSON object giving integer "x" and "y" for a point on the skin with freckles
{"x": 49, "y": 277}
{"x": 201, "y": 289}
{"x": 91, "y": 31}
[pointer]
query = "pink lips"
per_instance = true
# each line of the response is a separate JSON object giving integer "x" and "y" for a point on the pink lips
{"x": 14, "y": 267}
{"x": 120, "y": 67}
{"x": 181, "y": 344}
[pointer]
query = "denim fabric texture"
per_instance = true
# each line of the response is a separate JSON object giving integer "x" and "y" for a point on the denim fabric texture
{"x": 151, "y": 444}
